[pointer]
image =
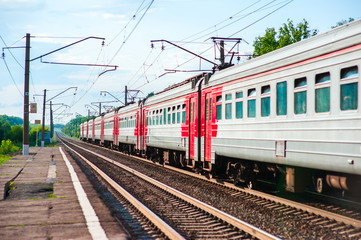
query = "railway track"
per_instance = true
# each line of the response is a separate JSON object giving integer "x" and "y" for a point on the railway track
{"x": 284, "y": 218}
{"x": 190, "y": 217}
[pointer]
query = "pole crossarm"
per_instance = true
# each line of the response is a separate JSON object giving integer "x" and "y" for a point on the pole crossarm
{"x": 56, "y": 50}
{"x": 83, "y": 64}
{"x": 105, "y": 92}
{"x": 62, "y": 93}
{"x": 205, "y": 59}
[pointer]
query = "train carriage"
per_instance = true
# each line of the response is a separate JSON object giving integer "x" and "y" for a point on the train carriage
{"x": 126, "y": 128}
{"x": 166, "y": 126}
{"x": 295, "y": 109}
{"x": 292, "y": 115}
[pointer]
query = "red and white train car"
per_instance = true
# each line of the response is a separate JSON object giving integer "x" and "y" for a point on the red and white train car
{"x": 293, "y": 115}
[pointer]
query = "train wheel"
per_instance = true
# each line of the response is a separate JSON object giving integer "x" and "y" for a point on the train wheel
{"x": 251, "y": 181}
{"x": 319, "y": 185}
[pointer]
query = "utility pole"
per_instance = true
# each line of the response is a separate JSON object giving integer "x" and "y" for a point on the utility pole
{"x": 51, "y": 123}
{"x": 43, "y": 126}
{"x": 26, "y": 97}
{"x": 221, "y": 43}
{"x": 126, "y": 96}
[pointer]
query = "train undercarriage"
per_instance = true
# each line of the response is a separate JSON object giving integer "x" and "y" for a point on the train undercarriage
{"x": 247, "y": 172}
{"x": 289, "y": 178}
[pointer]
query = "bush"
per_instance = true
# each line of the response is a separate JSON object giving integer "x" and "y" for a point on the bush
{"x": 7, "y": 147}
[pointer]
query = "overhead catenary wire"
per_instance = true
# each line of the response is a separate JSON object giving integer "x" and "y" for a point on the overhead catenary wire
{"x": 8, "y": 69}
{"x": 232, "y": 18}
{"x": 266, "y": 6}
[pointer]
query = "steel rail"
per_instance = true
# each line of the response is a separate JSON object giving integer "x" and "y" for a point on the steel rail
{"x": 158, "y": 222}
{"x": 324, "y": 213}
{"x": 254, "y": 231}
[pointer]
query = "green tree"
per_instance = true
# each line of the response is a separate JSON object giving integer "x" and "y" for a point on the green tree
{"x": 287, "y": 34}
{"x": 16, "y": 134}
{"x": 342, "y": 22}
{"x": 7, "y": 129}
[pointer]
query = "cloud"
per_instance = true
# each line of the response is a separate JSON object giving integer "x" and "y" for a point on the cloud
{"x": 10, "y": 95}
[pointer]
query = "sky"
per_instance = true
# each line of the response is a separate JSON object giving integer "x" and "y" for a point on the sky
{"x": 128, "y": 27}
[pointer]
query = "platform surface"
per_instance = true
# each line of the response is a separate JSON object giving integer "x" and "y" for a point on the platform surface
{"x": 42, "y": 202}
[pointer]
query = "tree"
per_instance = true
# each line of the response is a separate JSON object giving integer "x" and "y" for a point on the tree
{"x": 342, "y": 22}
{"x": 16, "y": 134}
{"x": 287, "y": 34}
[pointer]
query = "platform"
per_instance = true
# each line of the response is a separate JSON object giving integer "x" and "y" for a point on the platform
{"x": 38, "y": 200}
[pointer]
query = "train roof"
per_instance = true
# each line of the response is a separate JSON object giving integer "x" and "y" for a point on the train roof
{"x": 341, "y": 37}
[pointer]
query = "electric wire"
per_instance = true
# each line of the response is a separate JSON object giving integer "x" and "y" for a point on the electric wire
{"x": 8, "y": 69}
{"x": 131, "y": 32}
{"x": 263, "y": 7}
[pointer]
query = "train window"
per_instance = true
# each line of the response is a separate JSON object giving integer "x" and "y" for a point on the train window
{"x": 300, "y": 95}
{"x": 228, "y": 110}
{"x": 173, "y": 118}
{"x": 157, "y": 120}
{"x": 228, "y": 107}
{"x": 323, "y": 77}
{"x": 349, "y": 88}
{"x": 349, "y": 72}
{"x": 160, "y": 119}
{"x": 252, "y": 92}
{"x": 322, "y": 98}
{"x": 169, "y": 118}
{"x": 239, "y": 105}
{"x": 265, "y": 101}
{"x": 184, "y": 113}
{"x": 251, "y": 110}
{"x": 281, "y": 98}
{"x": 165, "y": 116}
{"x": 239, "y": 94}
{"x": 348, "y": 100}
{"x": 219, "y": 108}
{"x": 239, "y": 109}
{"x": 178, "y": 117}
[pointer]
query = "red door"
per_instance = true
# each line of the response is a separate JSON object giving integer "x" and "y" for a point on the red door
{"x": 192, "y": 126}
{"x": 102, "y": 131}
{"x": 207, "y": 127}
{"x": 116, "y": 130}
{"x": 140, "y": 129}
{"x": 93, "y": 130}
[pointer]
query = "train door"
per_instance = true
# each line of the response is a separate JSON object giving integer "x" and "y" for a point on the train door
{"x": 102, "y": 131}
{"x": 207, "y": 127}
{"x": 140, "y": 129}
{"x": 116, "y": 130}
{"x": 93, "y": 131}
{"x": 192, "y": 127}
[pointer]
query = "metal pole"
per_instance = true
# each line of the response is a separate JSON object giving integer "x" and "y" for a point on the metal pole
{"x": 222, "y": 52}
{"x": 43, "y": 126}
{"x": 100, "y": 108}
{"x": 126, "y": 96}
{"x": 37, "y": 133}
{"x": 26, "y": 97}
{"x": 51, "y": 123}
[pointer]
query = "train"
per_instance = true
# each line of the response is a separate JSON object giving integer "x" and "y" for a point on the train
{"x": 292, "y": 116}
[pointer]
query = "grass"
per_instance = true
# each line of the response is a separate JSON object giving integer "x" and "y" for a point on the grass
{"x": 4, "y": 158}
{"x": 51, "y": 195}
{"x": 11, "y": 186}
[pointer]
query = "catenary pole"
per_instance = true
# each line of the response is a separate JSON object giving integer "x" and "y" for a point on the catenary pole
{"x": 26, "y": 97}
{"x": 43, "y": 126}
